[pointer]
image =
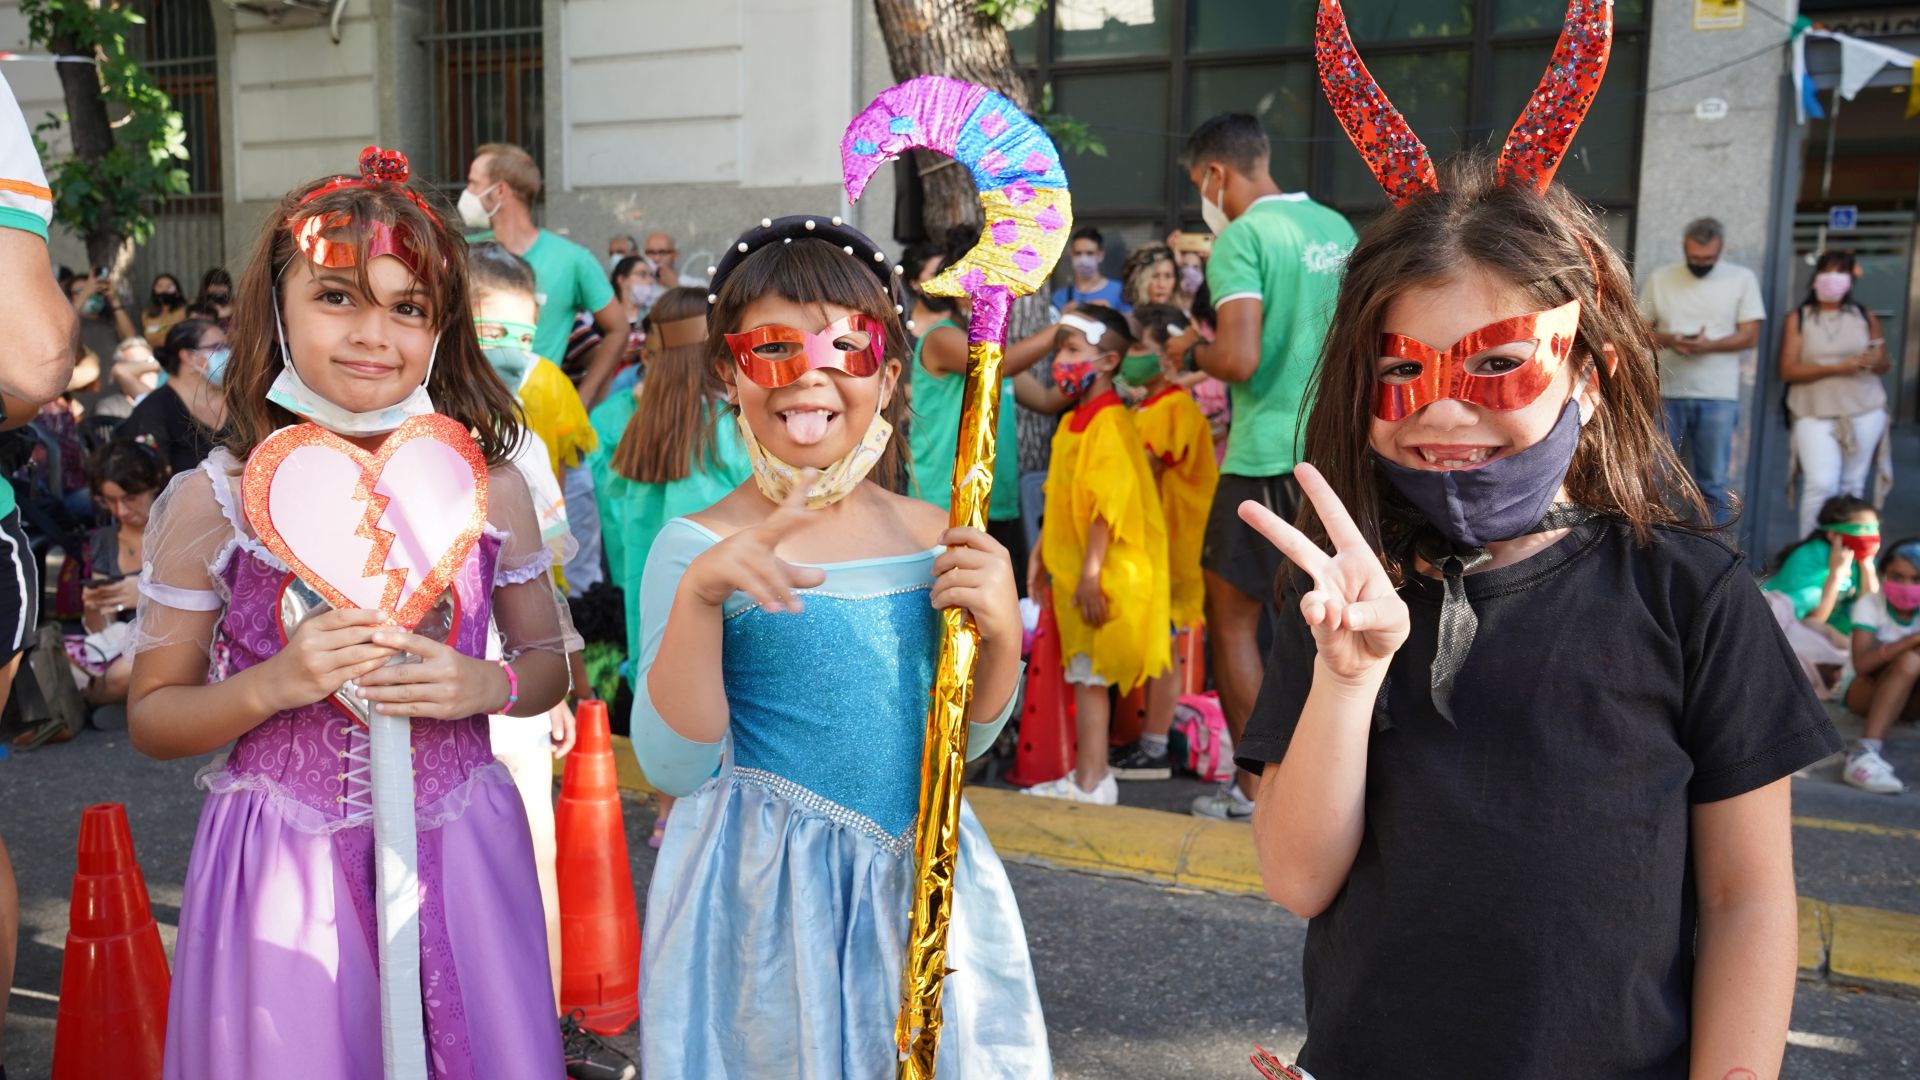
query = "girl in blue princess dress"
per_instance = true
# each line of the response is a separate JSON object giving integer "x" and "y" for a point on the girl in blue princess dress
{"x": 788, "y": 640}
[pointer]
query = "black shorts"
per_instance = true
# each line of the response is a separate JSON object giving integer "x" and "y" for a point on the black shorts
{"x": 19, "y": 588}
{"x": 1233, "y": 551}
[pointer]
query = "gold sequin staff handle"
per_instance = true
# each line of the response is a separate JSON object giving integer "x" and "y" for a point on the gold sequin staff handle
{"x": 1023, "y": 191}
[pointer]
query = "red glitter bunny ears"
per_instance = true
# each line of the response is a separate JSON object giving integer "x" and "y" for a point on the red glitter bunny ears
{"x": 377, "y": 167}
{"x": 1534, "y": 147}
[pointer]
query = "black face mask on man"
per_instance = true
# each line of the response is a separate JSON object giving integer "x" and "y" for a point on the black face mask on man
{"x": 1701, "y": 270}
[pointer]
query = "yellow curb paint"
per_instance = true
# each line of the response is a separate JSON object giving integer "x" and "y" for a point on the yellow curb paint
{"x": 1874, "y": 945}
{"x": 1115, "y": 839}
{"x": 1832, "y": 825}
{"x": 1851, "y": 943}
{"x": 1816, "y": 930}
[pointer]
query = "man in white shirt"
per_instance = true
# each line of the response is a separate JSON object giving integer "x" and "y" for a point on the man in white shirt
{"x": 1705, "y": 312}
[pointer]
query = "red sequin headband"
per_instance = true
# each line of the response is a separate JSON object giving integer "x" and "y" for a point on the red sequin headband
{"x": 1535, "y": 146}
{"x": 377, "y": 167}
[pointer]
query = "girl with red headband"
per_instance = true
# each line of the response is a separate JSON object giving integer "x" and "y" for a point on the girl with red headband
{"x": 353, "y": 314}
{"x": 1527, "y": 748}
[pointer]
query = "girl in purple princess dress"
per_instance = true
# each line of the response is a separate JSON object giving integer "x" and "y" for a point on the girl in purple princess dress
{"x": 352, "y": 314}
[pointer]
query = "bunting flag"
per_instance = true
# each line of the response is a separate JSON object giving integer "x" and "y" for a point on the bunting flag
{"x": 1860, "y": 61}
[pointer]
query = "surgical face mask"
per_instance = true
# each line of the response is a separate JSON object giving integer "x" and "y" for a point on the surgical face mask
{"x": 775, "y": 478}
{"x": 92, "y": 306}
{"x": 1191, "y": 278}
{"x": 217, "y": 358}
{"x": 512, "y": 364}
{"x": 1901, "y": 596}
{"x": 1139, "y": 369}
{"x": 1212, "y": 212}
{"x": 1086, "y": 265}
{"x": 473, "y": 210}
{"x": 291, "y": 393}
{"x": 1499, "y": 500}
{"x": 645, "y": 293}
{"x": 1833, "y": 286}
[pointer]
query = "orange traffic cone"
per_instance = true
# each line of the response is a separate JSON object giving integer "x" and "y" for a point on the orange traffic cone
{"x": 1046, "y": 744}
{"x": 599, "y": 928}
{"x": 1129, "y": 718}
{"x": 113, "y": 981}
{"x": 1190, "y": 658}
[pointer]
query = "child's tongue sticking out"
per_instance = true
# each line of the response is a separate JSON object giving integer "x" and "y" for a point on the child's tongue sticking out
{"x": 807, "y": 426}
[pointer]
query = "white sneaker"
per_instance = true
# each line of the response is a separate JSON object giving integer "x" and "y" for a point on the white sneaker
{"x": 1104, "y": 793}
{"x": 1868, "y": 771}
{"x": 1224, "y": 804}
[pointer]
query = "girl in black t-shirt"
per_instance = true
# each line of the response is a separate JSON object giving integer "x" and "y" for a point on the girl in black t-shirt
{"x": 1531, "y": 735}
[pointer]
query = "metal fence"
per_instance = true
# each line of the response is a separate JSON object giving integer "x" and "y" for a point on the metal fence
{"x": 189, "y": 236}
{"x": 488, "y": 72}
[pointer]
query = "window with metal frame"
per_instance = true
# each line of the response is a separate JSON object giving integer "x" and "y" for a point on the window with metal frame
{"x": 488, "y": 82}
{"x": 189, "y": 231}
{"x": 1143, "y": 73}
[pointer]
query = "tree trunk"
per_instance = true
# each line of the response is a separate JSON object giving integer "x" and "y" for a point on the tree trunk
{"x": 92, "y": 140}
{"x": 948, "y": 37}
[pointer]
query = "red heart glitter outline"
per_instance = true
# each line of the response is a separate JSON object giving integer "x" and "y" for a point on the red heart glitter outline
{"x": 267, "y": 458}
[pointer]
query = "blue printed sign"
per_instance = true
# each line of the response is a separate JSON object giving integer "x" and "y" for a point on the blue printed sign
{"x": 1843, "y": 218}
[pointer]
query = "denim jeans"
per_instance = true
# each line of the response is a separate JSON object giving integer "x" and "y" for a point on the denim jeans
{"x": 1701, "y": 430}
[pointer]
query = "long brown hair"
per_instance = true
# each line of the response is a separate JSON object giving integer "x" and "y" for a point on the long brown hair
{"x": 463, "y": 384}
{"x": 670, "y": 434}
{"x": 813, "y": 271}
{"x": 1551, "y": 248}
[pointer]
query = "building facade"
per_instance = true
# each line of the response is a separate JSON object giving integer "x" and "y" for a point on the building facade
{"x": 697, "y": 117}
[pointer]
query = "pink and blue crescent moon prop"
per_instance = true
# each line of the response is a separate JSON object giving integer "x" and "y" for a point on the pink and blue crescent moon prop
{"x": 1023, "y": 187}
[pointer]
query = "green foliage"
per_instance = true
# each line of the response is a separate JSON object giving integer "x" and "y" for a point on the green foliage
{"x": 1005, "y": 12}
{"x": 116, "y": 194}
{"x": 1070, "y": 135}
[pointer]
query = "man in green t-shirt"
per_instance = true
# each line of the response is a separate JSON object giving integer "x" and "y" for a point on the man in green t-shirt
{"x": 502, "y": 184}
{"x": 1273, "y": 276}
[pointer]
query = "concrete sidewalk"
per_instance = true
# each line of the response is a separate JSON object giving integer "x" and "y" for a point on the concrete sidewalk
{"x": 1846, "y": 944}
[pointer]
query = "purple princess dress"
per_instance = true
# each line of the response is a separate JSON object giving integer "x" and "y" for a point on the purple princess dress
{"x": 275, "y": 968}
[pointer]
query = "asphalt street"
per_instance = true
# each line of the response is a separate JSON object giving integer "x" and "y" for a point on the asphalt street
{"x": 1139, "y": 980}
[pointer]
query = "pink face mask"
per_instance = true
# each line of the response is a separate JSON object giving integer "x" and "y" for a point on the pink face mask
{"x": 1900, "y": 595}
{"x": 1832, "y": 286}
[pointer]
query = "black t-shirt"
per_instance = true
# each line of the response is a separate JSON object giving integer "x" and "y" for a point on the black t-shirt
{"x": 1522, "y": 904}
{"x": 180, "y": 439}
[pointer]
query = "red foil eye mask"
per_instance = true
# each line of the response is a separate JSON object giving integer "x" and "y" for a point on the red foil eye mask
{"x": 1443, "y": 373}
{"x": 774, "y": 356}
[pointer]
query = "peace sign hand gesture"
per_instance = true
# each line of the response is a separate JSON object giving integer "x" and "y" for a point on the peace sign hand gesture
{"x": 745, "y": 562}
{"x": 1359, "y": 621}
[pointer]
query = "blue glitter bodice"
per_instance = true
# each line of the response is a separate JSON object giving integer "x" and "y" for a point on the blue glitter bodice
{"x": 834, "y": 699}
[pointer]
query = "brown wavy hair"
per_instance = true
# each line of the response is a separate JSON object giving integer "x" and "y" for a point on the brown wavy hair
{"x": 1549, "y": 247}
{"x": 463, "y": 384}
{"x": 670, "y": 434}
{"x": 813, "y": 271}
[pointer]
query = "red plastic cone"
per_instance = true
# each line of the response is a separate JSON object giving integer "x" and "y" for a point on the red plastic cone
{"x": 1129, "y": 718}
{"x": 1191, "y": 658}
{"x": 113, "y": 980}
{"x": 599, "y": 927}
{"x": 1047, "y": 740}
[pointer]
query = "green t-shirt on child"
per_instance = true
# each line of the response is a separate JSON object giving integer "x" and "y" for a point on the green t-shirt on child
{"x": 934, "y": 438}
{"x": 1803, "y": 576}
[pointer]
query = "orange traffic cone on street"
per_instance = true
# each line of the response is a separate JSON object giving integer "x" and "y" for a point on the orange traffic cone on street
{"x": 113, "y": 980}
{"x": 1190, "y": 659}
{"x": 1129, "y": 718}
{"x": 1045, "y": 751}
{"x": 599, "y": 928}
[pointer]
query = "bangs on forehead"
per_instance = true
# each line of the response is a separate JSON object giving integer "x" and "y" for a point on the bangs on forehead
{"x": 820, "y": 272}
{"x": 352, "y": 216}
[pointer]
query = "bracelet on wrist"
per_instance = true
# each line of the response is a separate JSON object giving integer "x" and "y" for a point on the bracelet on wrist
{"x": 513, "y": 688}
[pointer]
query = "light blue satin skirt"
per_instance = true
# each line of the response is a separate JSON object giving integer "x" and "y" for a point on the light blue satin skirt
{"x": 776, "y": 930}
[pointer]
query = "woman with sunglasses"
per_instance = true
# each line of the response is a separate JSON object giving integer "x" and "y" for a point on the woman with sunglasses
{"x": 789, "y": 633}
